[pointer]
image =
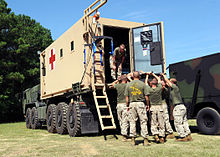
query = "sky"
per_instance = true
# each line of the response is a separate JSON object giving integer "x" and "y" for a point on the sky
{"x": 191, "y": 27}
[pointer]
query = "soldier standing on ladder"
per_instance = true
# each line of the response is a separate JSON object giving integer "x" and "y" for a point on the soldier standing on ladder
{"x": 117, "y": 60}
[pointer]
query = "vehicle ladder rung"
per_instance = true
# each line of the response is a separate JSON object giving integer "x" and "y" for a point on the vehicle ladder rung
{"x": 101, "y": 97}
{"x": 103, "y": 106}
{"x": 106, "y": 116}
{"x": 97, "y": 60}
{"x": 99, "y": 85}
{"x": 109, "y": 127}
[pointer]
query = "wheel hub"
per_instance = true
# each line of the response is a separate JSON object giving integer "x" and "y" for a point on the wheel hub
{"x": 208, "y": 121}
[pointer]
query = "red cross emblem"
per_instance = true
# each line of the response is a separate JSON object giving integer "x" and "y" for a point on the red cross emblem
{"x": 52, "y": 59}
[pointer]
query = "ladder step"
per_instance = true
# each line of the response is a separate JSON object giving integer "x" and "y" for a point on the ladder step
{"x": 109, "y": 127}
{"x": 106, "y": 116}
{"x": 97, "y": 60}
{"x": 100, "y": 85}
{"x": 101, "y": 97}
{"x": 98, "y": 52}
{"x": 103, "y": 106}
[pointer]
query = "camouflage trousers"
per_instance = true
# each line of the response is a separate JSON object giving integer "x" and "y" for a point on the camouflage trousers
{"x": 180, "y": 120}
{"x": 113, "y": 72}
{"x": 123, "y": 118}
{"x": 138, "y": 110}
{"x": 168, "y": 127}
{"x": 157, "y": 120}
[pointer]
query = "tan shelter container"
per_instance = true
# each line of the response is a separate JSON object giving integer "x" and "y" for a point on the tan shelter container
{"x": 62, "y": 63}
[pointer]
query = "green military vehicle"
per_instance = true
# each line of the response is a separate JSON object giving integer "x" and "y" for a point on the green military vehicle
{"x": 199, "y": 83}
{"x": 33, "y": 107}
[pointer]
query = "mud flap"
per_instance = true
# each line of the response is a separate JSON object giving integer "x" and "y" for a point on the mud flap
{"x": 89, "y": 124}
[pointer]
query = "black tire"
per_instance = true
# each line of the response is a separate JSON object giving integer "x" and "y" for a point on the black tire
{"x": 28, "y": 118}
{"x": 61, "y": 111}
{"x": 51, "y": 118}
{"x": 208, "y": 121}
{"x": 35, "y": 124}
{"x": 74, "y": 120}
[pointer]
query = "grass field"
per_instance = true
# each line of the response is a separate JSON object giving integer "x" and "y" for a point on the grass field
{"x": 16, "y": 140}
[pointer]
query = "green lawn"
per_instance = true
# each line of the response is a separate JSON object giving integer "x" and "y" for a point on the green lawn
{"x": 16, "y": 140}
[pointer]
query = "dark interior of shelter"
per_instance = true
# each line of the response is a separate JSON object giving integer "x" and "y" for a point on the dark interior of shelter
{"x": 120, "y": 36}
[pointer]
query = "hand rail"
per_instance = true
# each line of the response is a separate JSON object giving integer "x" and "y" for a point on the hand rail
{"x": 89, "y": 10}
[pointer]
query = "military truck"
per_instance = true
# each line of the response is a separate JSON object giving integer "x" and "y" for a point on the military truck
{"x": 33, "y": 114}
{"x": 74, "y": 72}
{"x": 199, "y": 83}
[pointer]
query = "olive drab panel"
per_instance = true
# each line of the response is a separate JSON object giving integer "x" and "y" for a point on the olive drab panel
{"x": 31, "y": 95}
{"x": 198, "y": 80}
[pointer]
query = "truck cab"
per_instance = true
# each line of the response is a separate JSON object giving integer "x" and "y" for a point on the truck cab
{"x": 199, "y": 85}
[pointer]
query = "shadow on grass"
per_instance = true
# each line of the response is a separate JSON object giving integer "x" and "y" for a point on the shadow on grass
{"x": 193, "y": 129}
{"x": 109, "y": 134}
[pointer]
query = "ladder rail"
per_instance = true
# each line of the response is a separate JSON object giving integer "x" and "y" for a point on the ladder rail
{"x": 96, "y": 79}
{"x": 95, "y": 86}
{"x": 109, "y": 107}
{"x": 89, "y": 10}
{"x": 98, "y": 110}
{"x": 106, "y": 106}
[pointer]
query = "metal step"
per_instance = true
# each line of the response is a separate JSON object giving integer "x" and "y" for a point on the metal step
{"x": 103, "y": 106}
{"x": 97, "y": 60}
{"x": 106, "y": 116}
{"x": 109, "y": 127}
{"x": 101, "y": 97}
{"x": 100, "y": 85}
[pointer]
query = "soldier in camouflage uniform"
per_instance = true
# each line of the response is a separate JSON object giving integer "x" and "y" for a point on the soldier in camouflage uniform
{"x": 165, "y": 96}
{"x": 179, "y": 111}
{"x": 156, "y": 109}
{"x": 121, "y": 106}
{"x": 136, "y": 93}
{"x": 117, "y": 60}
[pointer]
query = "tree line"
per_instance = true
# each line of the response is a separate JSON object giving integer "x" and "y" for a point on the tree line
{"x": 21, "y": 37}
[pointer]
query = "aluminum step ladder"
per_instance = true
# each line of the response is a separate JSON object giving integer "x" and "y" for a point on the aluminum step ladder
{"x": 103, "y": 107}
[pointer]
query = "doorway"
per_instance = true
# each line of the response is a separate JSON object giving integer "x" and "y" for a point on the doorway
{"x": 120, "y": 36}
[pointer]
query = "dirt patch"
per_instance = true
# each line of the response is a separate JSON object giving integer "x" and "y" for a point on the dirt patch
{"x": 88, "y": 150}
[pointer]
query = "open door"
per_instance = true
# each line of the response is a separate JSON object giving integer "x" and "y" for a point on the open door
{"x": 42, "y": 72}
{"x": 148, "y": 48}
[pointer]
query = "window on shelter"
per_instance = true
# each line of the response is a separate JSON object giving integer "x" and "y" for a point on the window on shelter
{"x": 61, "y": 53}
{"x": 72, "y": 45}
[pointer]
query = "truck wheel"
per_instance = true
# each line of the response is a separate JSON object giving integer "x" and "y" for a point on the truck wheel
{"x": 208, "y": 121}
{"x": 61, "y": 118}
{"x": 74, "y": 120}
{"x": 51, "y": 118}
{"x": 28, "y": 118}
{"x": 35, "y": 124}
